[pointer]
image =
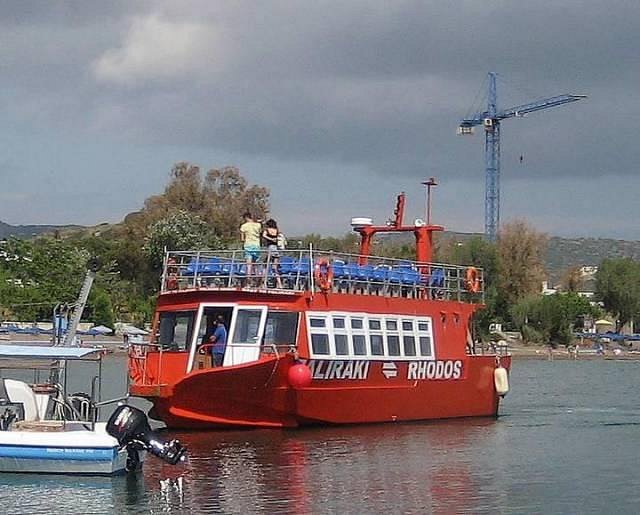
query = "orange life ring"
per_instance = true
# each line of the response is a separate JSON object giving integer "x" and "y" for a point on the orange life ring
{"x": 472, "y": 279}
{"x": 323, "y": 274}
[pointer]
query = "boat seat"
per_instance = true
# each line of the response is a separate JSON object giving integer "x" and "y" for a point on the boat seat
{"x": 40, "y": 426}
{"x": 21, "y": 392}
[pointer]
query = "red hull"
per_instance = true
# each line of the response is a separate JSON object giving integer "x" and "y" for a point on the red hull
{"x": 258, "y": 395}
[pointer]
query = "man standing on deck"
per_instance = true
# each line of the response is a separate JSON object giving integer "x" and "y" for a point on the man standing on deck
{"x": 219, "y": 340}
{"x": 250, "y": 234}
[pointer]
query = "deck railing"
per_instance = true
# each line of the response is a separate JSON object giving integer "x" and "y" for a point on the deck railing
{"x": 296, "y": 271}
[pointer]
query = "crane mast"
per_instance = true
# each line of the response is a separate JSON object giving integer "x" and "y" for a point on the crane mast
{"x": 491, "y": 121}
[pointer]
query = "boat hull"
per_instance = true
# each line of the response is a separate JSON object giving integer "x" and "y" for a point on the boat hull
{"x": 259, "y": 394}
{"x": 80, "y": 452}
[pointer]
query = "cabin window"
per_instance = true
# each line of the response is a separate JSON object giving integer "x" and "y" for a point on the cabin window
{"x": 176, "y": 329}
{"x": 377, "y": 348}
{"x": 281, "y": 328}
{"x": 320, "y": 343}
{"x": 338, "y": 323}
{"x": 425, "y": 346}
{"x": 317, "y": 322}
{"x": 393, "y": 344}
{"x": 409, "y": 344}
{"x": 343, "y": 335}
{"x": 359, "y": 345}
{"x": 342, "y": 344}
{"x": 356, "y": 323}
{"x": 247, "y": 325}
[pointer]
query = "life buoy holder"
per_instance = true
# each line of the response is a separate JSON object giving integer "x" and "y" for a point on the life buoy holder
{"x": 323, "y": 275}
{"x": 472, "y": 279}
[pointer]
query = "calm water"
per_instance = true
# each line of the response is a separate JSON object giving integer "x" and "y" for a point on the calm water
{"x": 568, "y": 441}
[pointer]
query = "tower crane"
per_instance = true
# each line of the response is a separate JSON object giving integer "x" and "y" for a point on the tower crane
{"x": 491, "y": 120}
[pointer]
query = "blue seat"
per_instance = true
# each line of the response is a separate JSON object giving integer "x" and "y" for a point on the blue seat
{"x": 410, "y": 276}
{"x": 195, "y": 266}
{"x": 437, "y": 278}
{"x": 395, "y": 275}
{"x": 365, "y": 272}
{"x": 303, "y": 267}
{"x": 212, "y": 266}
{"x": 381, "y": 273}
{"x": 339, "y": 269}
{"x": 286, "y": 265}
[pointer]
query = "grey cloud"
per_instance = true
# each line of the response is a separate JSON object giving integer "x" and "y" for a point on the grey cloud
{"x": 377, "y": 85}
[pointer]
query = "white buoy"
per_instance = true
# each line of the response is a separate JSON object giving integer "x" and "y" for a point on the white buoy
{"x": 501, "y": 380}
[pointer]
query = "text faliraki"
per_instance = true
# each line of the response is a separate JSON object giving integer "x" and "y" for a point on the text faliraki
{"x": 358, "y": 369}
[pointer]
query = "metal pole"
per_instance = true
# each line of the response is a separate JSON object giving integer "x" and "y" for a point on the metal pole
{"x": 429, "y": 184}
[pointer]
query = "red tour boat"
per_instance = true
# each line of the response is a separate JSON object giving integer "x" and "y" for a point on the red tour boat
{"x": 343, "y": 339}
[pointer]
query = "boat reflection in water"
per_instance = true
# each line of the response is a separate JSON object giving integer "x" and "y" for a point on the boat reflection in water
{"x": 427, "y": 467}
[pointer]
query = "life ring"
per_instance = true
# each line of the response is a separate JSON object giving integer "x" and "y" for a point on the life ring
{"x": 323, "y": 275}
{"x": 472, "y": 279}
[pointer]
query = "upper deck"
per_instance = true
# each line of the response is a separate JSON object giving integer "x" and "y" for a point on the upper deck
{"x": 299, "y": 272}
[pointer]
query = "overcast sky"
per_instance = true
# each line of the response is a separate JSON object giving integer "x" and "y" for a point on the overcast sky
{"x": 336, "y": 106}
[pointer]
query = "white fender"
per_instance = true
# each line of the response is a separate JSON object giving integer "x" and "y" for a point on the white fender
{"x": 501, "y": 380}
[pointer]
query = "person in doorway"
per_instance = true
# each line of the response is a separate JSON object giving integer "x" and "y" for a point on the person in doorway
{"x": 250, "y": 234}
{"x": 219, "y": 341}
{"x": 270, "y": 238}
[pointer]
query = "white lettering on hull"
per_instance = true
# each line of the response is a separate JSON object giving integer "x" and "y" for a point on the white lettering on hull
{"x": 434, "y": 370}
{"x": 321, "y": 369}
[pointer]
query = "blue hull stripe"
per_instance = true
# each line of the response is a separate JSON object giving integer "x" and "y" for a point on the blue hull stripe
{"x": 58, "y": 453}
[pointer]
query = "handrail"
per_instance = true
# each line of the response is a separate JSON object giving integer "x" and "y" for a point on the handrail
{"x": 224, "y": 269}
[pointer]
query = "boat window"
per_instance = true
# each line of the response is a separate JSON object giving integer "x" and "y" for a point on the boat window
{"x": 374, "y": 324}
{"x": 320, "y": 343}
{"x": 425, "y": 346}
{"x": 392, "y": 325}
{"x": 423, "y": 326}
{"x": 281, "y": 328}
{"x": 376, "y": 345}
{"x": 176, "y": 328}
{"x": 393, "y": 344}
{"x": 338, "y": 323}
{"x": 317, "y": 322}
{"x": 409, "y": 344}
{"x": 356, "y": 323}
{"x": 342, "y": 344}
{"x": 359, "y": 345}
{"x": 247, "y": 326}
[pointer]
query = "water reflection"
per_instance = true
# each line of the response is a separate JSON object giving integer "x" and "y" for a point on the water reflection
{"x": 399, "y": 467}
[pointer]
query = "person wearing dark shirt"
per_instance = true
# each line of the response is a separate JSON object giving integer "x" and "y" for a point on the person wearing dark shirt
{"x": 219, "y": 340}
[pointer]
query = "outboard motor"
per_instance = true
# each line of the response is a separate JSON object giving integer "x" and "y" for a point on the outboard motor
{"x": 130, "y": 427}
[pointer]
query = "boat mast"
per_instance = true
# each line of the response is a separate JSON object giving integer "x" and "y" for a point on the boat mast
{"x": 422, "y": 230}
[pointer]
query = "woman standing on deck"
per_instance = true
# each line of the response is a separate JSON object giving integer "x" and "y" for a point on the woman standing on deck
{"x": 250, "y": 233}
{"x": 270, "y": 238}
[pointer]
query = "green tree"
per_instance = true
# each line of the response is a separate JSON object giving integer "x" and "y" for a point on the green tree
{"x": 550, "y": 318}
{"x": 618, "y": 287}
{"x": 179, "y": 230}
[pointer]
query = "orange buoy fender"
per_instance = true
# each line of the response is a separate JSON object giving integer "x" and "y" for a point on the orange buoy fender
{"x": 299, "y": 376}
{"x": 501, "y": 380}
{"x": 472, "y": 279}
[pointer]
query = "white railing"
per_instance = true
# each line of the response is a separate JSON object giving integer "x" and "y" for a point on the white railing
{"x": 303, "y": 270}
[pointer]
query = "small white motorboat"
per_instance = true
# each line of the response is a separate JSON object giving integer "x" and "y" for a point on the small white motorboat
{"x": 43, "y": 430}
